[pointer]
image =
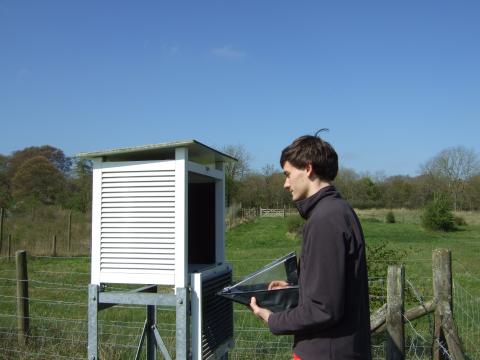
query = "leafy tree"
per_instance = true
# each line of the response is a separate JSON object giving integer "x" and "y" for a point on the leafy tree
{"x": 80, "y": 185}
{"x": 275, "y": 195}
{"x": 235, "y": 171}
{"x": 55, "y": 156}
{"x": 251, "y": 191}
{"x": 3, "y": 162}
{"x": 5, "y": 197}
{"x": 426, "y": 187}
{"x": 346, "y": 183}
{"x": 368, "y": 194}
{"x": 4, "y": 183}
{"x": 239, "y": 169}
{"x": 37, "y": 180}
{"x": 455, "y": 165}
{"x": 472, "y": 193}
{"x": 397, "y": 192}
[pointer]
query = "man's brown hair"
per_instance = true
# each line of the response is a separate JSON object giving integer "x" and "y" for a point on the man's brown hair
{"x": 311, "y": 149}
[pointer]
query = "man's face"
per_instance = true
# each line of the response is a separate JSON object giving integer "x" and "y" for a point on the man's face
{"x": 296, "y": 181}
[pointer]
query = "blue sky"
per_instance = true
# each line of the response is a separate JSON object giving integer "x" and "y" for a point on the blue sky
{"x": 395, "y": 82}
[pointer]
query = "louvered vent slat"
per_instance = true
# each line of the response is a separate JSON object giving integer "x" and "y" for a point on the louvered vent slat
{"x": 142, "y": 189}
{"x": 217, "y": 314}
{"x": 138, "y": 221}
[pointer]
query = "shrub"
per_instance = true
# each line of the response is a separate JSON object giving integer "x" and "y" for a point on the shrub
{"x": 438, "y": 215}
{"x": 390, "y": 218}
{"x": 379, "y": 257}
{"x": 295, "y": 224}
{"x": 459, "y": 221}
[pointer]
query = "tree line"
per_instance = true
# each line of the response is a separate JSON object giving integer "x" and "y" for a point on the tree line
{"x": 44, "y": 175}
{"x": 453, "y": 174}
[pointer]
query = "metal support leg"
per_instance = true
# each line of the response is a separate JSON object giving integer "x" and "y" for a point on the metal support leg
{"x": 142, "y": 339}
{"x": 182, "y": 344}
{"x": 93, "y": 290}
{"x": 160, "y": 343}
{"x": 98, "y": 301}
{"x": 151, "y": 322}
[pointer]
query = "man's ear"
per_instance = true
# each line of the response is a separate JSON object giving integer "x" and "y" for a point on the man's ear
{"x": 309, "y": 169}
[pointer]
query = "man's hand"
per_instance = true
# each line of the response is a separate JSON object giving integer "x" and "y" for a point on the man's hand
{"x": 278, "y": 284}
{"x": 262, "y": 313}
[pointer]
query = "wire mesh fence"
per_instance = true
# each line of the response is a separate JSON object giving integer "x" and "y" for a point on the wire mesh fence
{"x": 58, "y": 292}
{"x": 466, "y": 308}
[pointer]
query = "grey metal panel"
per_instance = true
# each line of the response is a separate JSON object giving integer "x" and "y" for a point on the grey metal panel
{"x": 113, "y": 297}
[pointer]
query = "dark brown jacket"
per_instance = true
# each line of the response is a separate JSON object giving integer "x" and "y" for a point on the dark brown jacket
{"x": 332, "y": 319}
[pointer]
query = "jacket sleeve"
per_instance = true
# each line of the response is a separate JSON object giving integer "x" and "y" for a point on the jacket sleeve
{"x": 322, "y": 284}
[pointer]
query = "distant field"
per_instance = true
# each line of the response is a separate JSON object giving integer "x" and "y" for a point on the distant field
{"x": 412, "y": 216}
{"x": 264, "y": 239}
{"x": 58, "y": 290}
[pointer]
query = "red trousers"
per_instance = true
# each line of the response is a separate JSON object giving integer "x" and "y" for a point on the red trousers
{"x": 296, "y": 357}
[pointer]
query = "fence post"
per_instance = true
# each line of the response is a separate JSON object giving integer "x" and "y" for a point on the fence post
{"x": 442, "y": 292}
{"x": 69, "y": 231}
{"x": 395, "y": 310}
{"x": 445, "y": 332}
{"x": 54, "y": 246}
{"x": 9, "y": 247}
{"x": 442, "y": 276}
{"x": 2, "y": 216}
{"x": 22, "y": 297}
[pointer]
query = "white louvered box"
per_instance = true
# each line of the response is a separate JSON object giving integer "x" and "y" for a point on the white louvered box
{"x": 157, "y": 213}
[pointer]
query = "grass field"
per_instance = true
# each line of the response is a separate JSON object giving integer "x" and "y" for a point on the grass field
{"x": 253, "y": 244}
{"x": 58, "y": 291}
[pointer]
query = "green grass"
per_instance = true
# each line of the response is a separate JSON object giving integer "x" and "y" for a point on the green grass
{"x": 34, "y": 230}
{"x": 59, "y": 324}
{"x": 418, "y": 245}
{"x": 254, "y": 244}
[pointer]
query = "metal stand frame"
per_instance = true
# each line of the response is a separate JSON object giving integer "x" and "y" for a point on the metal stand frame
{"x": 99, "y": 300}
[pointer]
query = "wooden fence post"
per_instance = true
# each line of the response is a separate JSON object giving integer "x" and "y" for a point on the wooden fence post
{"x": 445, "y": 332}
{"x": 442, "y": 292}
{"x": 442, "y": 275}
{"x": 2, "y": 216}
{"x": 395, "y": 310}
{"x": 54, "y": 245}
{"x": 22, "y": 297}
{"x": 69, "y": 231}
{"x": 9, "y": 247}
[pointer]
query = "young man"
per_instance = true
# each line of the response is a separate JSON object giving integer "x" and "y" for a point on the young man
{"x": 332, "y": 319}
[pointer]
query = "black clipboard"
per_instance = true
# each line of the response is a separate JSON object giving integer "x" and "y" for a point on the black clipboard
{"x": 256, "y": 285}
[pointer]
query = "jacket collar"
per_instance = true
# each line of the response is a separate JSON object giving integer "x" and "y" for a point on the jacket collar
{"x": 305, "y": 206}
